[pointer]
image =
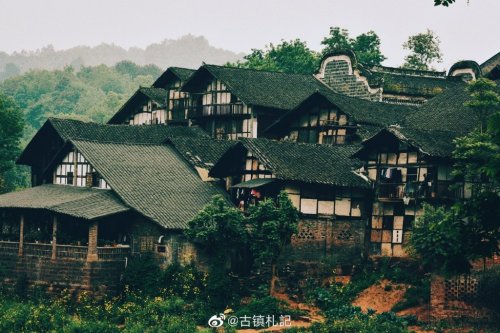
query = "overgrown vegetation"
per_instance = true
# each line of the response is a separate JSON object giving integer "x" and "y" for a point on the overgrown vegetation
{"x": 226, "y": 234}
{"x": 448, "y": 239}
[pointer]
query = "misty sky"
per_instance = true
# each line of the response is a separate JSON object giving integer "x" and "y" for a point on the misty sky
{"x": 467, "y": 31}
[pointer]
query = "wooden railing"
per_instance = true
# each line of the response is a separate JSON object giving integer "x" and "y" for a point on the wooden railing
{"x": 113, "y": 253}
{"x": 9, "y": 248}
{"x": 217, "y": 110}
{"x": 72, "y": 252}
{"x": 38, "y": 249}
{"x": 439, "y": 189}
{"x": 44, "y": 250}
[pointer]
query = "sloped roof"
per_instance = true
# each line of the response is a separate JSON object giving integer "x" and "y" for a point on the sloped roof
{"x": 183, "y": 73}
{"x": 152, "y": 179}
{"x": 158, "y": 95}
{"x": 68, "y": 129}
{"x": 303, "y": 162}
{"x": 433, "y": 143}
{"x": 445, "y": 112}
{"x": 491, "y": 64}
{"x": 416, "y": 85}
{"x": 151, "y": 134}
{"x": 80, "y": 202}
{"x": 368, "y": 115}
{"x": 260, "y": 88}
{"x": 201, "y": 152}
{"x": 173, "y": 73}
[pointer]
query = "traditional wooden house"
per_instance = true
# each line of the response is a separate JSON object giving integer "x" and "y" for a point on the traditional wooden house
{"x": 161, "y": 103}
{"x": 320, "y": 180}
{"x": 234, "y": 102}
{"x": 347, "y": 150}
{"x": 411, "y": 164}
{"x": 106, "y": 192}
{"x": 328, "y": 117}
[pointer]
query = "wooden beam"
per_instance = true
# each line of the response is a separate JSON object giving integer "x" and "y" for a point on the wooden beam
{"x": 54, "y": 238}
{"x": 21, "y": 235}
{"x": 92, "y": 247}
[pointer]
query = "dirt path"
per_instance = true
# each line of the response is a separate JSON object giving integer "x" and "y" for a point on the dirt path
{"x": 312, "y": 316}
{"x": 381, "y": 297}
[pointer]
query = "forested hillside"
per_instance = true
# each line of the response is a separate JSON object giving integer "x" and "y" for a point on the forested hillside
{"x": 187, "y": 51}
{"x": 92, "y": 93}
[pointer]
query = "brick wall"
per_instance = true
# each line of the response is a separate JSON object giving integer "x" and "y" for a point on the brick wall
{"x": 316, "y": 239}
{"x": 337, "y": 73}
{"x": 451, "y": 298}
{"x": 55, "y": 275}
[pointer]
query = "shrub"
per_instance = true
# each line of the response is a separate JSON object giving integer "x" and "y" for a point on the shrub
{"x": 489, "y": 290}
{"x": 143, "y": 274}
{"x": 183, "y": 281}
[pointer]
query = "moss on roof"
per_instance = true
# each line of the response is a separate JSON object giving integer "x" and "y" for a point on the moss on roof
{"x": 158, "y": 95}
{"x": 259, "y": 88}
{"x": 171, "y": 74}
{"x": 152, "y": 179}
{"x": 302, "y": 162}
{"x": 201, "y": 152}
{"x": 415, "y": 83}
{"x": 80, "y": 202}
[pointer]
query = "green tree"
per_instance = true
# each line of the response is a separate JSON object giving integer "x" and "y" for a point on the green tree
{"x": 366, "y": 46}
{"x": 272, "y": 224}
{"x": 471, "y": 229}
{"x": 219, "y": 229}
{"x": 424, "y": 51}
{"x": 436, "y": 240}
{"x": 484, "y": 100}
{"x": 289, "y": 56}
{"x": 444, "y": 3}
{"x": 11, "y": 131}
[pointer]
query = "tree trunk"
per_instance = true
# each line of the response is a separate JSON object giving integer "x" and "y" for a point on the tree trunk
{"x": 272, "y": 286}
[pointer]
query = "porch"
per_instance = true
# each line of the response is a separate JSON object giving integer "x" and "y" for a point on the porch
{"x": 63, "y": 222}
{"x": 120, "y": 252}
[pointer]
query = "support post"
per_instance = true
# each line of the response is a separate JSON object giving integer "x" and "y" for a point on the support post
{"x": 54, "y": 238}
{"x": 92, "y": 248}
{"x": 21, "y": 235}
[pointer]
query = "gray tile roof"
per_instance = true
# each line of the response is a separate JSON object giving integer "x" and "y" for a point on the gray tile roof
{"x": 446, "y": 112}
{"x": 171, "y": 74}
{"x": 411, "y": 82}
{"x": 158, "y": 95}
{"x": 80, "y": 202}
{"x": 147, "y": 134}
{"x": 260, "y": 88}
{"x": 201, "y": 152}
{"x": 368, "y": 115}
{"x": 302, "y": 162}
{"x": 152, "y": 179}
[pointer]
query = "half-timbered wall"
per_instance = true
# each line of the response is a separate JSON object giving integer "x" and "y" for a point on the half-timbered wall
{"x": 404, "y": 179}
{"x": 149, "y": 113}
{"x": 253, "y": 169}
{"x": 76, "y": 170}
{"x": 221, "y": 113}
{"x": 178, "y": 102}
{"x": 319, "y": 200}
{"x": 324, "y": 125}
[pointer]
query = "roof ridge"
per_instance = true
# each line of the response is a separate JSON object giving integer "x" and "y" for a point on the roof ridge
{"x": 255, "y": 70}
{"x": 117, "y": 143}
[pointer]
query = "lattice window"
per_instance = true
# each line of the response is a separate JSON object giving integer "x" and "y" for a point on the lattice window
{"x": 461, "y": 289}
{"x": 305, "y": 233}
{"x": 345, "y": 235}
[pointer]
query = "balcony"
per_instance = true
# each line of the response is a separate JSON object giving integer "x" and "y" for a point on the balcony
{"x": 43, "y": 250}
{"x": 217, "y": 110}
{"x": 415, "y": 189}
